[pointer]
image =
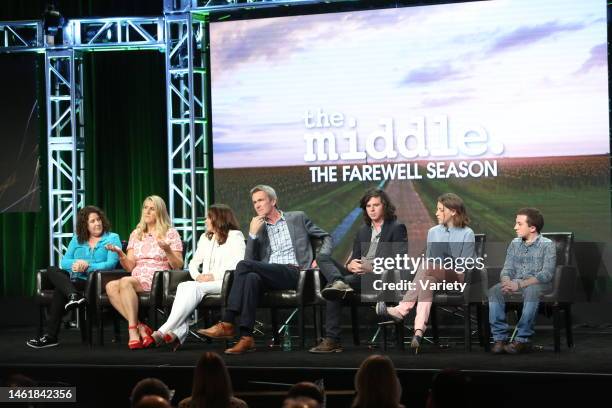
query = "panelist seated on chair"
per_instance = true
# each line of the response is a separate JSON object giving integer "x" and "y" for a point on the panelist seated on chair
{"x": 528, "y": 272}
{"x": 448, "y": 243}
{"x": 153, "y": 246}
{"x": 219, "y": 250}
{"x": 278, "y": 247}
{"x": 381, "y": 236}
{"x": 86, "y": 253}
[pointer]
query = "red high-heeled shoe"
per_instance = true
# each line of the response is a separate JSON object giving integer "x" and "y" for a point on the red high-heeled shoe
{"x": 147, "y": 340}
{"x": 134, "y": 344}
{"x": 172, "y": 340}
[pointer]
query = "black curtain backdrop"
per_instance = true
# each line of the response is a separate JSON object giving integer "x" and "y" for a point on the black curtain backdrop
{"x": 11, "y": 10}
{"x": 125, "y": 116}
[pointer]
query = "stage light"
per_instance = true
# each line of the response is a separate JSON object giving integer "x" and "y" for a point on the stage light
{"x": 53, "y": 22}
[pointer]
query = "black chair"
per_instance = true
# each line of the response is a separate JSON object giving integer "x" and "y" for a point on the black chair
{"x": 210, "y": 302}
{"x": 353, "y": 300}
{"x": 147, "y": 301}
{"x": 44, "y": 295}
{"x": 560, "y": 298}
{"x": 475, "y": 293}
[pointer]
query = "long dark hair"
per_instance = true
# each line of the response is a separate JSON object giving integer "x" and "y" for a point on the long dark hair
{"x": 389, "y": 208}
{"x": 377, "y": 384}
{"x": 223, "y": 220}
{"x": 212, "y": 386}
{"x": 83, "y": 217}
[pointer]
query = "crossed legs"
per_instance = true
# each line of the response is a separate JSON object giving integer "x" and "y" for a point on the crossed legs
{"x": 123, "y": 295}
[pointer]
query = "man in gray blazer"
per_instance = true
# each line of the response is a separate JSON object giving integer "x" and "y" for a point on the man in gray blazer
{"x": 277, "y": 249}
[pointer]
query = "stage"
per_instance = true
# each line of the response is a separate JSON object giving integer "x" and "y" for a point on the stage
{"x": 260, "y": 377}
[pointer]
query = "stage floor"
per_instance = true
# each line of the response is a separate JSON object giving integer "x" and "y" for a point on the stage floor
{"x": 267, "y": 373}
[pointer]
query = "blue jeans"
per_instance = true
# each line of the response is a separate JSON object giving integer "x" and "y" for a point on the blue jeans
{"x": 497, "y": 312}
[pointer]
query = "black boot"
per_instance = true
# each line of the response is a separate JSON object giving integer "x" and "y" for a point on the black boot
{"x": 74, "y": 300}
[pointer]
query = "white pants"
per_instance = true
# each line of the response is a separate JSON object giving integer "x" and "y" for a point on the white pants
{"x": 188, "y": 296}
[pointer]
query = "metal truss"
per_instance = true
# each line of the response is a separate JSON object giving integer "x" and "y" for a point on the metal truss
{"x": 65, "y": 144}
{"x": 187, "y": 123}
{"x": 133, "y": 32}
{"x": 21, "y": 36}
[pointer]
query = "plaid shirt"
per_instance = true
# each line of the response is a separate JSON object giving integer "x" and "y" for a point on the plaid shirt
{"x": 282, "y": 251}
{"x": 537, "y": 259}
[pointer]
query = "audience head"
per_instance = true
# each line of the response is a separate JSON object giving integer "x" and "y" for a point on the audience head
{"x": 528, "y": 221}
{"x": 264, "y": 199}
{"x": 449, "y": 388}
{"x": 153, "y": 401}
{"x": 306, "y": 389}
{"x": 301, "y": 402}
{"x": 154, "y": 218}
{"x": 91, "y": 221}
{"x": 450, "y": 211}
{"x": 219, "y": 221}
{"x": 376, "y": 384}
{"x": 18, "y": 380}
{"x": 380, "y": 206}
{"x": 212, "y": 386}
{"x": 150, "y": 386}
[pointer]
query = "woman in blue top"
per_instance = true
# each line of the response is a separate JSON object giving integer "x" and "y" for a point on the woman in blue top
{"x": 86, "y": 253}
{"x": 449, "y": 244}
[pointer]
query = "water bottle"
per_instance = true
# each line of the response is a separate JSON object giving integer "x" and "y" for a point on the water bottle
{"x": 286, "y": 339}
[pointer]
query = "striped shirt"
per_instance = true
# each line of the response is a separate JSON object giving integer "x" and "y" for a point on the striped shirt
{"x": 282, "y": 251}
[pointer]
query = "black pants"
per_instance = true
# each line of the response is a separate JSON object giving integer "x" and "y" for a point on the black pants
{"x": 63, "y": 288}
{"x": 251, "y": 279}
{"x": 331, "y": 271}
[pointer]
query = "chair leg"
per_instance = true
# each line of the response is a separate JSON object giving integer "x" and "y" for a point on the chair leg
{"x": 384, "y": 337}
{"x": 569, "y": 333}
{"x": 317, "y": 324}
{"x": 467, "y": 327}
{"x": 556, "y": 328}
{"x": 400, "y": 333}
{"x": 83, "y": 322}
{"x": 434, "y": 324}
{"x": 355, "y": 325}
{"x": 116, "y": 330}
{"x": 484, "y": 327}
{"x": 274, "y": 321}
{"x": 100, "y": 318}
{"x": 301, "y": 327}
{"x": 41, "y": 320}
{"x": 479, "y": 325}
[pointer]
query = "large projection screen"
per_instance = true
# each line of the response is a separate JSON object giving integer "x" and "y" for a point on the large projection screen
{"x": 503, "y": 102}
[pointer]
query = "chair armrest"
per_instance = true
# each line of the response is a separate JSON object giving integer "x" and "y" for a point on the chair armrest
{"x": 103, "y": 277}
{"x": 42, "y": 282}
{"x": 305, "y": 289}
{"x": 563, "y": 285}
{"x": 170, "y": 282}
{"x": 228, "y": 279}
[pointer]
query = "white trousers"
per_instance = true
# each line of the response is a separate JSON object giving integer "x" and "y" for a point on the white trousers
{"x": 188, "y": 296}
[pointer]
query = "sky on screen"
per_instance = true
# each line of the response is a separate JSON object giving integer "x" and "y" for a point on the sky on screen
{"x": 532, "y": 74}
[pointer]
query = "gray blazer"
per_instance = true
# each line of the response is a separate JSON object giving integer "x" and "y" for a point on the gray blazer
{"x": 301, "y": 230}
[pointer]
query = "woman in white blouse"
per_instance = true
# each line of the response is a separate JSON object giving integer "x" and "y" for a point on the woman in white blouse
{"x": 219, "y": 250}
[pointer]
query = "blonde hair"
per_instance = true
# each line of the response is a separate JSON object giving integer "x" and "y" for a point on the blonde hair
{"x": 162, "y": 219}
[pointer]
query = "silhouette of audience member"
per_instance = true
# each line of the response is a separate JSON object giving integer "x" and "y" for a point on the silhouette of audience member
{"x": 212, "y": 386}
{"x": 376, "y": 384}
{"x": 153, "y": 401}
{"x": 301, "y": 402}
{"x": 308, "y": 390}
{"x": 148, "y": 387}
{"x": 449, "y": 388}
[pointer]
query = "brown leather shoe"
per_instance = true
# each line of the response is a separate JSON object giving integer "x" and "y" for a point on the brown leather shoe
{"x": 326, "y": 345}
{"x": 221, "y": 330}
{"x": 499, "y": 347}
{"x": 517, "y": 347}
{"x": 246, "y": 344}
